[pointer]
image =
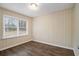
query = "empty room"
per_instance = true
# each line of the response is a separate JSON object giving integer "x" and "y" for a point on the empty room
{"x": 39, "y": 29}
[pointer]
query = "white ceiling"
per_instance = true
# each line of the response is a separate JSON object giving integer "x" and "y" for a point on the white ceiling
{"x": 43, "y": 8}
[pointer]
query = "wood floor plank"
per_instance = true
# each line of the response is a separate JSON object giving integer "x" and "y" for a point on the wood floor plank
{"x": 33, "y": 48}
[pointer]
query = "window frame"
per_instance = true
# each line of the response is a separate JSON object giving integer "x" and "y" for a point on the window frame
{"x": 26, "y": 33}
{"x": 17, "y": 35}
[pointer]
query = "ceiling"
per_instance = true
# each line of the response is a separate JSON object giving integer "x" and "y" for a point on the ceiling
{"x": 43, "y": 8}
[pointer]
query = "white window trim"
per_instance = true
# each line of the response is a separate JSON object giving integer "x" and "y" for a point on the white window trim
{"x": 4, "y": 37}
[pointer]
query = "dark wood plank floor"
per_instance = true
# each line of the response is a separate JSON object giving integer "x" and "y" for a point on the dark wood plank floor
{"x": 36, "y": 49}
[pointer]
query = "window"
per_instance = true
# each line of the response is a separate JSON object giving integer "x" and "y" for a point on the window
{"x": 22, "y": 27}
{"x": 14, "y": 27}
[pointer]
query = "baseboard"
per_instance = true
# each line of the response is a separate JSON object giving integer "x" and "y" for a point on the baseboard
{"x": 53, "y": 44}
{"x": 15, "y": 45}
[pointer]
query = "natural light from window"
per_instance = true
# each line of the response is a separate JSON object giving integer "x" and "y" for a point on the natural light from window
{"x": 13, "y": 26}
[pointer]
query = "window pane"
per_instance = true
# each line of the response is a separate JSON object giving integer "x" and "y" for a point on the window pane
{"x": 13, "y": 27}
{"x": 10, "y": 26}
{"x": 22, "y": 26}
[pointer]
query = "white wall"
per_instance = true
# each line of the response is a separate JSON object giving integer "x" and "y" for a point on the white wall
{"x": 54, "y": 28}
{"x": 75, "y": 28}
{"x": 10, "y": 42}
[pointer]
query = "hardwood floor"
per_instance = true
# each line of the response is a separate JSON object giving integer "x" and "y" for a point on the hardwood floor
{"x": 33, "y": 48}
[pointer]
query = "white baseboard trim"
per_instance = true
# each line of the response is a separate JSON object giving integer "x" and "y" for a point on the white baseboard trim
{"x": 53, "y": 44}
{"x": 15, "y": 45}
{"x": 36, "y": 41}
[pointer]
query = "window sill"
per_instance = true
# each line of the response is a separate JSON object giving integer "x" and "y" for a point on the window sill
{"x": 15, "y": 36}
